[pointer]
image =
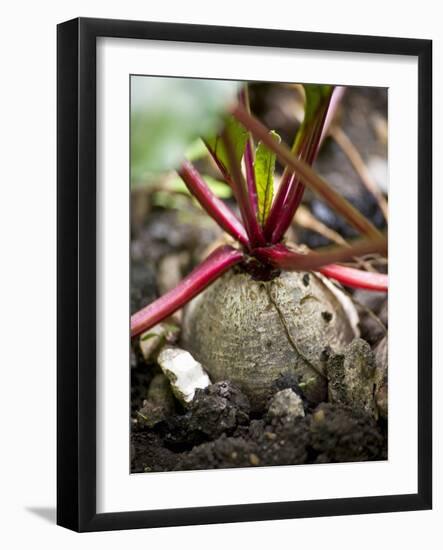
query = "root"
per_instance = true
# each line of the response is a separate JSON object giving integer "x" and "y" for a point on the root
{"x": 288, "y": 334}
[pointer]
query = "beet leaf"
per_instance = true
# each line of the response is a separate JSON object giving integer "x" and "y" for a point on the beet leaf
{"x": 264, "y": 167}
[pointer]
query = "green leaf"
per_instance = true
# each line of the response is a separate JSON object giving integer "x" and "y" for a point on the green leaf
{"x": 238, "y": 136}
{"x": 264, "y": 167}
{"x": 168, "y": 115}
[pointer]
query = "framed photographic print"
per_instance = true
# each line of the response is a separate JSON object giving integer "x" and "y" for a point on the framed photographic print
{"x": 244, "y": 274}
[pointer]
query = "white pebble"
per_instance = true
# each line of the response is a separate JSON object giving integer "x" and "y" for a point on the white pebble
{"x": 183, "y": 371}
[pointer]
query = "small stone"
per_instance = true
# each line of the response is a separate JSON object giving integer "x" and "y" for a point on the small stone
{"x": 319, "y": 415}
{"x": 254, "y": 460}
{"x": 286, "y": 403}
{"x": 185, "y": 374}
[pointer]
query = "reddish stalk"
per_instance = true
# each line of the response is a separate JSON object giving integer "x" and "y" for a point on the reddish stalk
{"x": 360, "y": 167}
{"x": 249, "y": 218}
{"x": 291, "y": 189}
{"x": 296, "y": 188}
{"x": 283, "y": 258}
{"x": 336, "y": 98}
{"x": 356, "y": 278}
{"x": 294, "y": 198}
{"x": 307, "y": 175}
{"x": 216, "y": 208}
{"x": 210, "y": 269}
{"x": 289, "y": 179}
{"x": 250, "y": 177}
{"x": 220, "y": 166}
{"x": 249, "y": 158}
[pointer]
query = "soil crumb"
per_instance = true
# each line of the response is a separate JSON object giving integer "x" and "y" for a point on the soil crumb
{"x": 218, "y": 432}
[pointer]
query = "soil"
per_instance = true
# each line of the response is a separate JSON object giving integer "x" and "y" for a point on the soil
{"x": 218, "y": 432}
{"x": 218, "y": 429}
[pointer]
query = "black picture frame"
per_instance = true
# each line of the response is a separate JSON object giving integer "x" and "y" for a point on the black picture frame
{"x": 76, "y": 266}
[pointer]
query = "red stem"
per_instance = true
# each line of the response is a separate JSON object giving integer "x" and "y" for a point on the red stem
{"x": 236, "y": 182}
{"x": 239, "y": 188}
{"x": 294, "y": 187}
{"x": 250, "y": 177}
{"x": 356, "y": 278}
{"x": 249, "y": 158}
{"x": 219, "y": 165}
{"x": 217, "y": 263}
{"x": 289, "y": 179}
{"x": 216, "y": 208}
{"x": 336, "y": 98}
{"x": 282, "y": 257}
{"x": 311, "y": 152}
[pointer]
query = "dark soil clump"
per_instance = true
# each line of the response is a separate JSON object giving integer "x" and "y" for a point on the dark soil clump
{"x": 215, "y": 411}
{"x": 149, "y": 455}
{"x": 217, "y": 432}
